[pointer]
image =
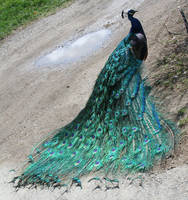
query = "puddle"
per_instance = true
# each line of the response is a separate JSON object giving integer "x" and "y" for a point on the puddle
{"x": 76, "y": 50}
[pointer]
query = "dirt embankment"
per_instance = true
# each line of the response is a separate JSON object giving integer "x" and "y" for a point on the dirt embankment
{"x": 35, "y": 101}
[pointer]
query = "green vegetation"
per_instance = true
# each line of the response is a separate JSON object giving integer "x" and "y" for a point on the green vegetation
{"x": 14, "y": 13}
{"x": 183, "y": 122}
{"x": 182, "y": 116}
{"x": 182, "y": 112}
{"x": 173, "y": 66}
{"x": 172, "y": 72}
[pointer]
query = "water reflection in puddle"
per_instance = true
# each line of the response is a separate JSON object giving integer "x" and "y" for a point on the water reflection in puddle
{"x": 77, "y": 50}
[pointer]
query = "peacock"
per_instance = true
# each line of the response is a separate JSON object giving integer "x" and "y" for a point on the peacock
{"x": 118, "y": 131}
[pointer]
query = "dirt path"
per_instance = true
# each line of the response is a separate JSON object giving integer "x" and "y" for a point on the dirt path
{"x": 35, "y": 101}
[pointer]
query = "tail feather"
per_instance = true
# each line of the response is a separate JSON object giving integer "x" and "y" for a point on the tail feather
{"x": 118, "y": 130}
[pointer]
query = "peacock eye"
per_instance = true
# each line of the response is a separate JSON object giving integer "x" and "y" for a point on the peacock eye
{"x": 95, "y": 151}
{"x": 97, "y": 163}
{"x": 113, "y": 149}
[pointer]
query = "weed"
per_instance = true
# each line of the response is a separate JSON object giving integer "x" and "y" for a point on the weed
{"x": 183, "y": 122}
{"x": 181, "y": 112}
{"x": 173, "y": 66}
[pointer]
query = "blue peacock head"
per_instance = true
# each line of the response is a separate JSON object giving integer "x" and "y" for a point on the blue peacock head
{"x": 131, "y": 12}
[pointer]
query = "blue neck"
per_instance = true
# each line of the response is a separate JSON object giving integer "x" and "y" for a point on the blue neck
{"x": 130, "y": 17}
{"x": 136, "y": 26}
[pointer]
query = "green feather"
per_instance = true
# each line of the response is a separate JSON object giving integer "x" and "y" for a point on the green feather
{"x": 118, "y": 130}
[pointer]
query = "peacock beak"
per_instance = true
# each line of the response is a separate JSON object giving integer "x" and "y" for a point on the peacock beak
{"x": 132, "y": 13}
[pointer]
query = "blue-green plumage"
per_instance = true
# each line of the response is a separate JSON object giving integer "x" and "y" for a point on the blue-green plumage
{"x": 118, "y": 131}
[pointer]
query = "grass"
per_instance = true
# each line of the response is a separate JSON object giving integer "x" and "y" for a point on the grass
{"x": 173, "y": 66}
{"x": 171, "y": 73}
{"x": 181, "y": 112}
{"x": 15, "y": 13}
{"x": 182, "y": 116}
{"x": 183, "y": 122}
